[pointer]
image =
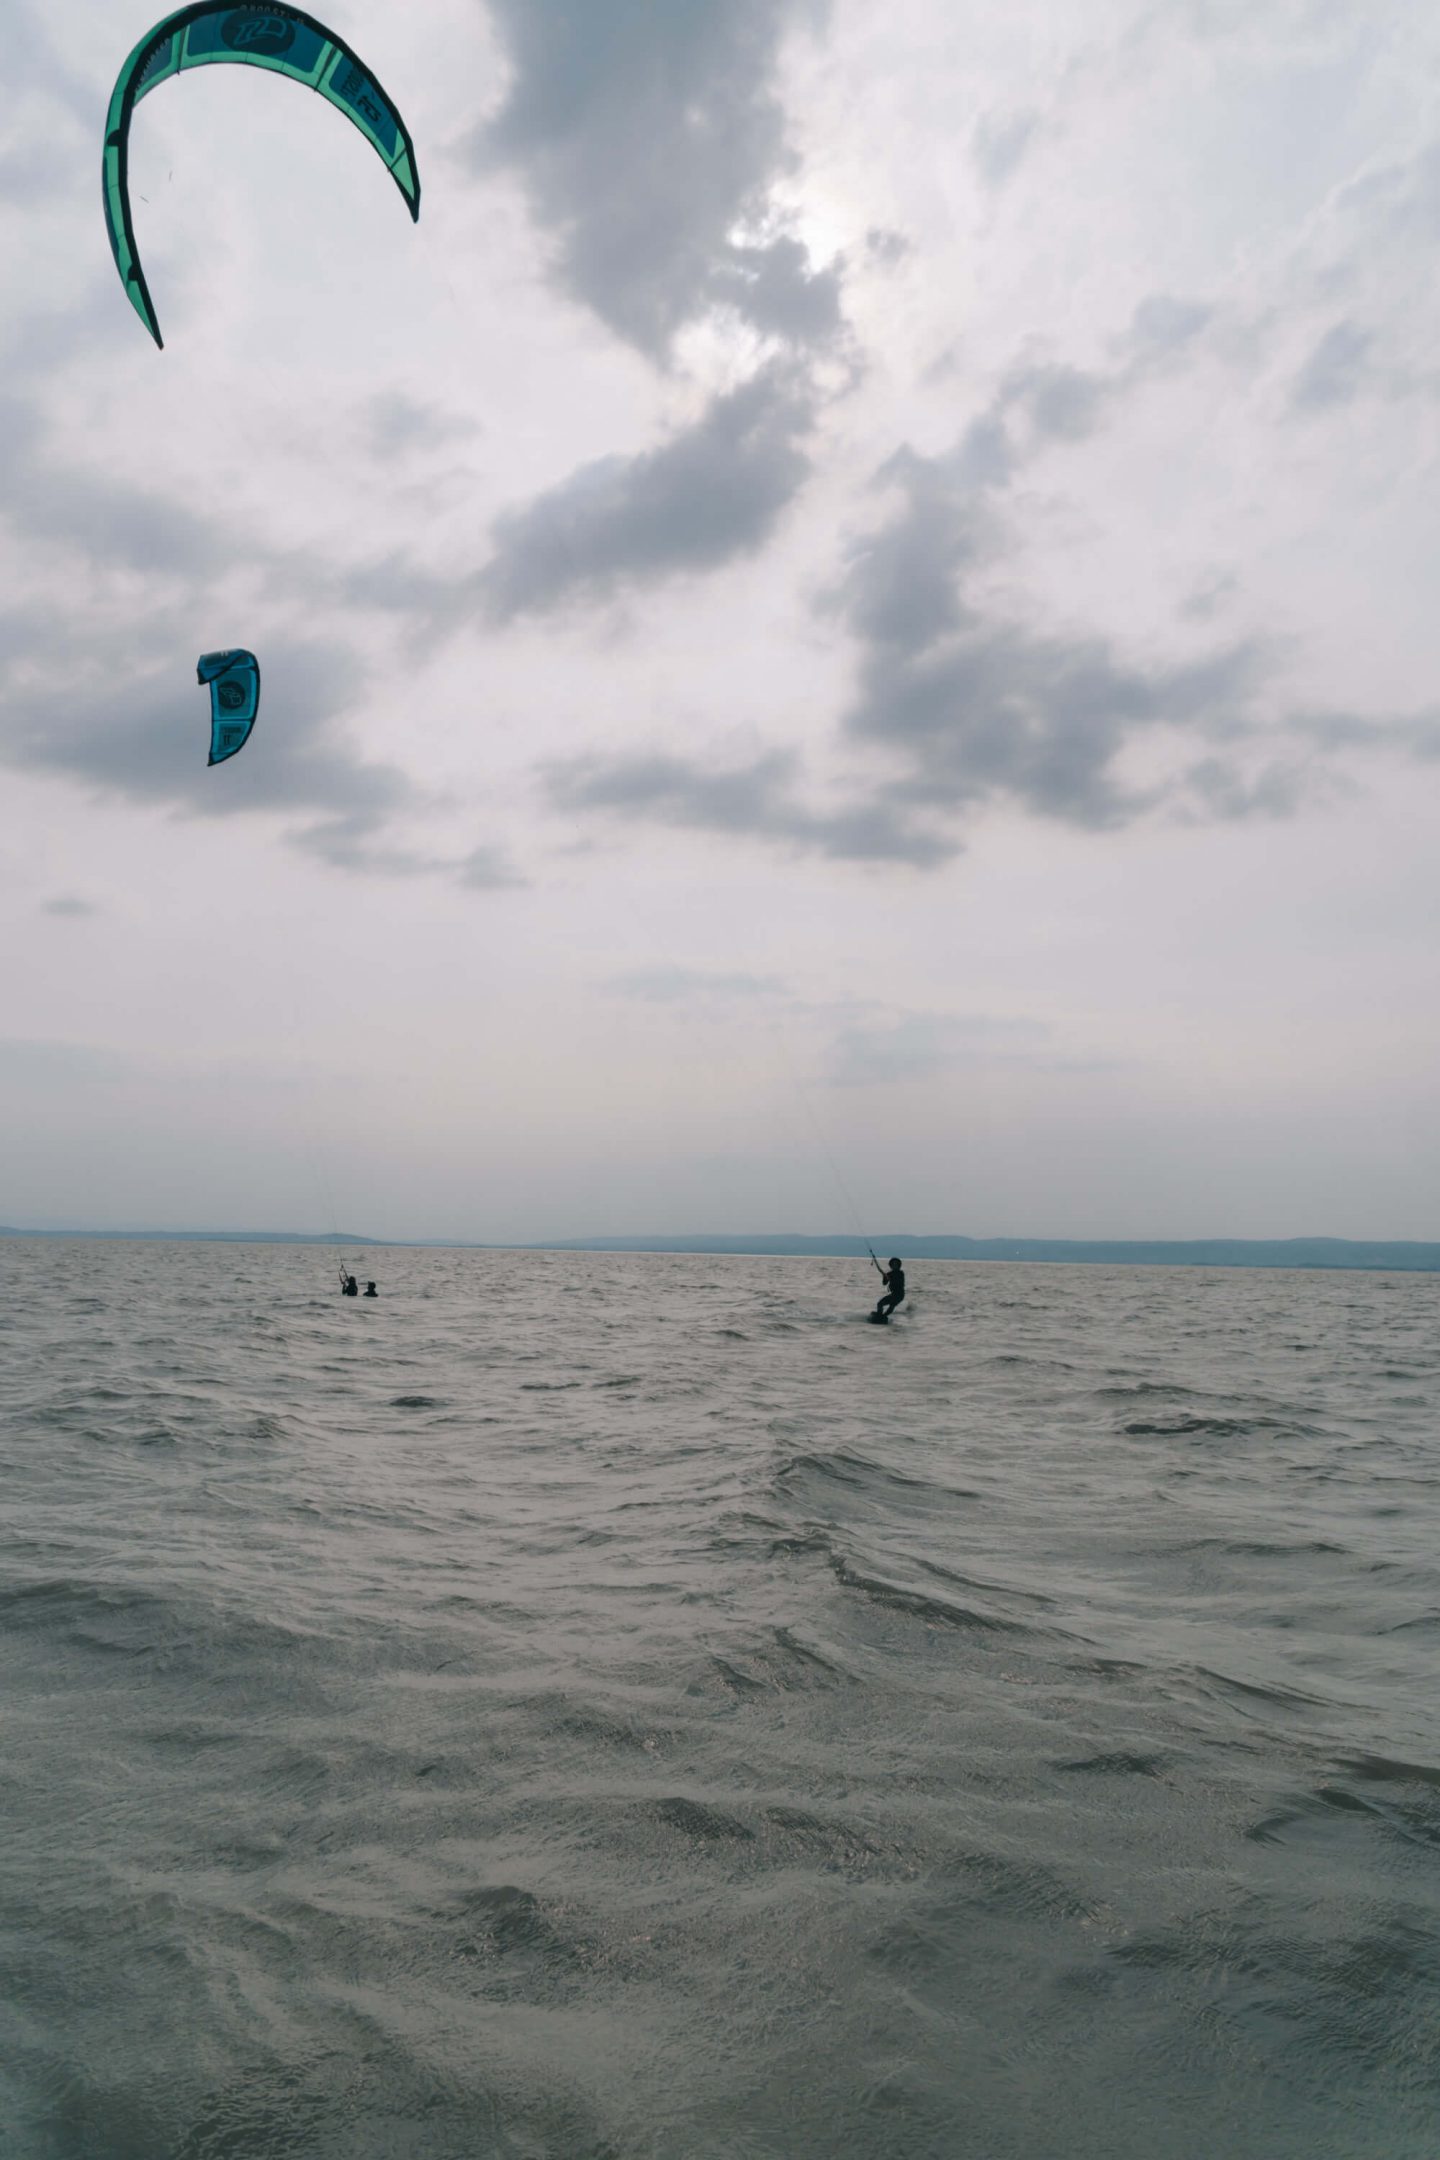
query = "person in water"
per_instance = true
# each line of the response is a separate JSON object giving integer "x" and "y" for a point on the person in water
{"x": 350, "y": 1288}
{"x": 370, "y": 1290}
{"x": 893, "y": 1278}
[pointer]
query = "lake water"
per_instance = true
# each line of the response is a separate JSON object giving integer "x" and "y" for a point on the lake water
{"x": 590, "y": 1707}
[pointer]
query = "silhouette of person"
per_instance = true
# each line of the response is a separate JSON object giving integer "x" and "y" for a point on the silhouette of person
{"x": 894, "y": 1280}
{"x": 370, "y": 1290}
{"x": 351, "y": 1287}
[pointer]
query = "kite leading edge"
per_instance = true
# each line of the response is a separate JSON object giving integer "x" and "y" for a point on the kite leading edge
{"x": 287, "y": 42}
{"x": 234, "y": 679}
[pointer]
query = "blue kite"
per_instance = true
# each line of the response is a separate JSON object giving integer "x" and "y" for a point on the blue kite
{"x": 234, "y": 679}
{"x": 287, "y": 42}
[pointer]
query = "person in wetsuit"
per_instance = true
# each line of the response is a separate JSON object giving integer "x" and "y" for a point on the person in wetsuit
{"x": 893, "y": 1278}
{"x": 350, "y": 1288}
{"x": 370, "y": 1290}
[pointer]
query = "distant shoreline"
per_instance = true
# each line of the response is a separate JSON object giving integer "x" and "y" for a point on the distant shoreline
{"x": 1313, "y": 1253}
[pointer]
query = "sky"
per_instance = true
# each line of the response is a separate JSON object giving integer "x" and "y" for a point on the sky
{"x": 847, "y": 624}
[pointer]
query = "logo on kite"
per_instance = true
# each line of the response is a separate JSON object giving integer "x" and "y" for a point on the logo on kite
{"x": 234, "y": 679}
{"x": 247, "y": 31}
{"x": 292, "y": 43}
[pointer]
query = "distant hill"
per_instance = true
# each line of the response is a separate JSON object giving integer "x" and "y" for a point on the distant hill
{"x": 1319, "y": 1252}
{"x": 1200, "y": 1252}
{"x": 208, "y": 1237}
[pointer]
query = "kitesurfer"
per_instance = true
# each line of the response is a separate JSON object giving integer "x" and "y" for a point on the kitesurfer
{"x": 351, "y": 1288}
{"x": 893, "y": 1278}
{"x": 370, "y": 1290}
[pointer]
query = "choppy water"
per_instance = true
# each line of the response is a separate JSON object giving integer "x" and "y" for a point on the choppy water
{"x": 605, "y": 1708}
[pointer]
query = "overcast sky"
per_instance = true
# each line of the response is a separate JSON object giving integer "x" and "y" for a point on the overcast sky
{"x": 849, "y": 625}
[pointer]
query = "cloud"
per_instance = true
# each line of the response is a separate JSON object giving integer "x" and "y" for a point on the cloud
{"x": 43, "y": 1065}
{"x": 1335, "y": 371}
{"x": 919, "y": 1045}
{"x": 959, "y": 706}
{"x": 969, "y": 706}
{"x": 119, "y": 713}
{"x": 110, "y": 523}
{"x": 33, "y": 64}
{"x": 999, "y": 710}
{"x": 778, "y": 294}
{"x": 886, "y": 247}
{"x": 1402, "y": 197}
{"x": 649, "y": 139}
{"x": 487, "y": 869}
{"x": 681, "y": 985}
{"x": 756, "y": 801}
{"x": 1221, "y": 790}
{"x": 715, "y": 491}
{"x": 352, "y": 843}
{"x": 1000, "y": 142}
{"x": 144, "y": 739}
{"x": 68, "y": 906}
{"x": 1163, "y": 325}
{"x": 1415, "y": 735}
{"x": 1210, "y": 596}
{"x": 397, "y": 425}
{"x": 120, "y": 727}
{"x": 144, "y": 735}
{"x": 1061, "y": 404}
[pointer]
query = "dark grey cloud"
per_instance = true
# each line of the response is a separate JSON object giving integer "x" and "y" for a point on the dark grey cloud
{"x": 1061, "y": 404}
{"x": 1220, "y": 789}
{"x": 648, "y": 137}
{"x": 1042, "y": 401}
{"x": 970, "y": 707}
{"x": 901, "y": 590}
{"x": 714, "y": 491}
{"x": 487, "y": 869}
{"x": 1335, "y": 371}
{"x": 887, "y": 247}
{"x": 758, "y": 801}
{"x": 1413, "y": 735}
{"x": 127, "y": 719}
{"x": 134, "y": 730}
{"x": 112, "y": 524}
{"x": 778, "y": 293}
{"x": 958, "y": 707}
{"x": 356, "y": 843}
{"x": 144, "y": 738}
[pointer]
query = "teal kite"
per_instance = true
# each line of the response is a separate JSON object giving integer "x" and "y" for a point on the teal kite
{"x": 283, "y": 39}
{"x": 234, "y": 679}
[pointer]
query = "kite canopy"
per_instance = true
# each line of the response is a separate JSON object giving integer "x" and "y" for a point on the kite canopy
{"x": 234, "y": 679}
{"x": 283, "y": 39}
